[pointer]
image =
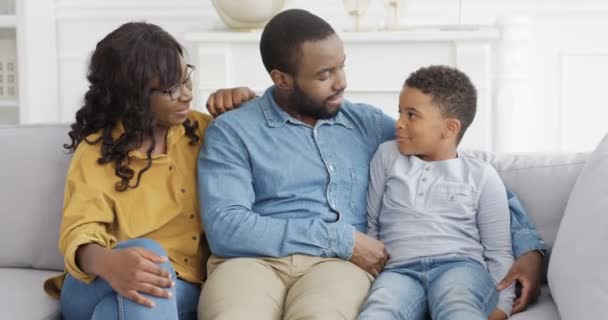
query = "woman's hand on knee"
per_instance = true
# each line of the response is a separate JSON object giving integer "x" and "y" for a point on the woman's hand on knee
{"x": 134, "y": 271}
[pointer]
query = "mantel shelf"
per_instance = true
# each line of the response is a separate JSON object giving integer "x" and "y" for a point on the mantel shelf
{"x": 8, "y": 21}
{"x": 418, "y": 34}
{"x": 8, "y": 103}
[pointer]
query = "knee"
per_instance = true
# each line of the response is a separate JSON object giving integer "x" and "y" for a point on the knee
{"x": 145, "y": 243}
{"x": 107, "y": 308}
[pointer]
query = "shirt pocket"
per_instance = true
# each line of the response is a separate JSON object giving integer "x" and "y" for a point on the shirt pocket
{"x": 453, "y": 200}
{"x": 359, "y": 178}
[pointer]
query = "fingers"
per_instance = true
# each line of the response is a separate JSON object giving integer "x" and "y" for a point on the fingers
{"x": 139, "y": 298}
{"x": 160, "y": 281}
{"x": 215, "y": 103}
{"x": 151, "y": 256}
{"x": 228, "y": 103}
{"x": 155, "y": 270}
{"x": 228, "y": 99}
{"x": 507, "y": 281}
{"x": 211, "y": 105}
{"x": 251, "y": 94}
{"x": 526, "y": 293}
{"x": 154, "y": 290}
{"x": 374, "y": 271}
{"x": 518, "y": 306}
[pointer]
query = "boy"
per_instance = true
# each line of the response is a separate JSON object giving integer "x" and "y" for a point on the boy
{"x": 443, "y": 217}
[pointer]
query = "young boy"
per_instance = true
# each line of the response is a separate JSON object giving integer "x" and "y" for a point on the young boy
{"x": 443, "y": 217}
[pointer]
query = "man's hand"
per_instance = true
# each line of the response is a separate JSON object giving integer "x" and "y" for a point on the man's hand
{"x": 224, "y": 100}
{"x": 369, "y": 254}
{"x": 527, "y": 271}
{"x": 497, "y": 314}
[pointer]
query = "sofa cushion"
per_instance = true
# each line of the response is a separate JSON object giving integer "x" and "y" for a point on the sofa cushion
{"x": 543, "y": 309}
{"x": 33, "y": 170}
{"x": 542, "y": 181}
{"x": 577, "y": 270}
{"x": 23, "y": 296}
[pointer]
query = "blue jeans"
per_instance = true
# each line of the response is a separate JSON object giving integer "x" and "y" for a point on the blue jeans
{"x": 445, "y": 288}
{"x": 98, "y": 301}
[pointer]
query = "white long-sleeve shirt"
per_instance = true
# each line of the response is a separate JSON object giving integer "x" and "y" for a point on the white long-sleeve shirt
{"x": 455, "y": 207}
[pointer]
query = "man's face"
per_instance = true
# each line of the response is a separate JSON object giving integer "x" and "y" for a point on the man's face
{"x": 320, "y": 80}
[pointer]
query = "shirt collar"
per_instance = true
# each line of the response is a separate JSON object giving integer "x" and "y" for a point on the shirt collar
{"x": 277, "y": 117}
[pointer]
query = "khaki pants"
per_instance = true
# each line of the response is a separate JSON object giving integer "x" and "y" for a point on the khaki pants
{"x": 290, "y": 288}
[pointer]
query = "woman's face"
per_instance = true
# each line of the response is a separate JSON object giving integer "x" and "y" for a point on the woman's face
{"x": 171, "y": 106}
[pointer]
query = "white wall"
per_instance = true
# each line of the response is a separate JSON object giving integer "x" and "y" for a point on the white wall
{"x": 549, "y": 67}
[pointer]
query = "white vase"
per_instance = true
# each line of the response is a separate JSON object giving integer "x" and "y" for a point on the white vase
{"x": 247, "y": 14}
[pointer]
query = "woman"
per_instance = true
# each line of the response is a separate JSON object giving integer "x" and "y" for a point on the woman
{"x": 131, "y": 230}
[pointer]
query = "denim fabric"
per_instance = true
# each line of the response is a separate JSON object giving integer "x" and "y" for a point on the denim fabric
{"x": 98, "y": 301}
{"x": 271, "y": 185}
{"x": 442, "y": 288}
{"x": 523, "y": 232}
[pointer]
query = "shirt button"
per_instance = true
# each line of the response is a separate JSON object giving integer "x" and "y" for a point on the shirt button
{"x": 424, "y": 179}
{"x": 170, "y": 168}
{"x": 183, "y": 190}
{"x": 192, "y": 216}
{"x": 427, "y": 168}
{"x": 420, "y": 194}
{"x": 193, "y": 237}
{"x": 186, "y": 260}
{"x": 331, "y": 168}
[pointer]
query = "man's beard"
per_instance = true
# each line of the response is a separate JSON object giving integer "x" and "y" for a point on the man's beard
{"x": 305, "y": 106}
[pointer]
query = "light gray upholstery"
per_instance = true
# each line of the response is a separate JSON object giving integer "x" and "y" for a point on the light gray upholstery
{"x": 31, "y": 193}
{"x": 23, "y": 297}
{"x": 543, "y": 309}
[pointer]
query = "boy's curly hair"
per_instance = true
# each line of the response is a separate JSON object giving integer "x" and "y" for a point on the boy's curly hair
{"x": 122, "y": 67}
{"x": 452, "y": 91}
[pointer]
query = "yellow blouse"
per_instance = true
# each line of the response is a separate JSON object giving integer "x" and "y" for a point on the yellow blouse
{"x": 164, "y": 207}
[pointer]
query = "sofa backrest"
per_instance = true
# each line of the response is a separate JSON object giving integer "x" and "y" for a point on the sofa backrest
{"x": 33, "y": 170}
{"x": 543, "y": 182}
{"x": 34, "y": 165}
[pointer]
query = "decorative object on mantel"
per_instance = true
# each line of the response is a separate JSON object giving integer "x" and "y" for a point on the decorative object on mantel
{"x": 392, "y": 11}
{"x": 247, "y": 14}
{"x": 356, "y": 9}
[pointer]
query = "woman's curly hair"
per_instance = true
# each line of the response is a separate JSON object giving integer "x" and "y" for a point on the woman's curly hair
{"x": 123, "y": 66}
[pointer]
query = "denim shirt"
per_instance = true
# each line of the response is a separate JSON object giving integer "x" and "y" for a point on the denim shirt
{"x": 523, "y": 232}
{"x": 271, "y": 185}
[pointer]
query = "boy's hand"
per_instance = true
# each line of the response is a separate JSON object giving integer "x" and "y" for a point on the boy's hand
{"x": 527, "y": 271}
{"x": 369, "y": 254}
{"x": 224, "y": 100}
{"x": 133, "y": 271}
{"x": 497, "y": 314}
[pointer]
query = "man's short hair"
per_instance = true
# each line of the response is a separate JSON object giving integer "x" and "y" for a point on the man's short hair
{"x": 451, "y": 90}
{"x": 284, "y": 34}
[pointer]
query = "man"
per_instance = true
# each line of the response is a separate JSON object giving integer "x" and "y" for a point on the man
{"x": 289, "y": 238}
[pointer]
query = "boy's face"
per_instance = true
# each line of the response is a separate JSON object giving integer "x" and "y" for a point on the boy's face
{"x": 421, "y": 129}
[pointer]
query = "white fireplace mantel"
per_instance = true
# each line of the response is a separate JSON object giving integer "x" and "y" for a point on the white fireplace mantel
{"x": 377, "y": 65}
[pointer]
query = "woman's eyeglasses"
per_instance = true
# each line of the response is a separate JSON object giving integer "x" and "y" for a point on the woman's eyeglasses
{"x": 177, "y": 90}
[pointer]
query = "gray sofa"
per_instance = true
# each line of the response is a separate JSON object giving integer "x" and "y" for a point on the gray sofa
{"x": 31, "y": 193}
